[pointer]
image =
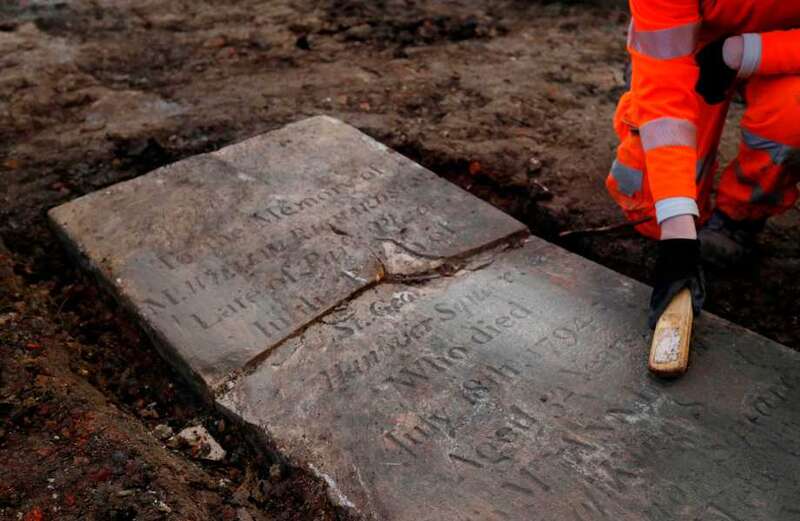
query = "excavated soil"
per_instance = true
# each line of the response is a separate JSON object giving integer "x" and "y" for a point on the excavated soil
{"x": 511, "y": 100}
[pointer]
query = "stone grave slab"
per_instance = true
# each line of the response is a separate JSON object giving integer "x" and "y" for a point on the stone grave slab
{"x": 224, "y": 255}
{"x": 517, "y": 389}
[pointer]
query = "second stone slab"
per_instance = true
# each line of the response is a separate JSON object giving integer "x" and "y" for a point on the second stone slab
{"x": 517, "y": 389}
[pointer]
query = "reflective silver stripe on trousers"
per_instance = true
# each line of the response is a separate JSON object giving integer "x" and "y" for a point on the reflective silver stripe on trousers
{"x": 665, "y": 44}
{"x": 667, "y": 132}
{"x": 751, "y": 55}
{"x": 629, "y": 180}
{"x": 778, "y": 151}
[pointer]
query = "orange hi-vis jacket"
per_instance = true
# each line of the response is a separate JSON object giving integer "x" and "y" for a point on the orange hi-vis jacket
{"x": 662, "y": 106}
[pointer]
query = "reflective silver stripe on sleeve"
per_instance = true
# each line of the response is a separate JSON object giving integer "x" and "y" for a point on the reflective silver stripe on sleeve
{"x": 675, "y": 206}
{"x": 751, "y": 55}
{"x": 629, "y": 180}
{"x": 664, "y": 44}
{"x": 667, "y": 132}
{"x": 778, "y": 151}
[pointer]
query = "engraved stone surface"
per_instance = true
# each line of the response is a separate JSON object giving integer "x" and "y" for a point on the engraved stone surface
{"x": 517, "y": 389}
{"x": 388, "y": 330}
{"x": 224, "y": 255}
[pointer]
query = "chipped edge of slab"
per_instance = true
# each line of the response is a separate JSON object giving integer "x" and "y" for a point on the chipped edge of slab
{"x": 263, "y": 441}
{"x": 112, "y": 289}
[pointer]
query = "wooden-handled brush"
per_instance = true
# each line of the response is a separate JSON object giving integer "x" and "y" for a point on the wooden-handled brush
{"x": 669, "y": 353}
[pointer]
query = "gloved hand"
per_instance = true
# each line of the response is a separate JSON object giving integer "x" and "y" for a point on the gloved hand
{"x": 677, "y": 267}
{"x": 716, "y": 78}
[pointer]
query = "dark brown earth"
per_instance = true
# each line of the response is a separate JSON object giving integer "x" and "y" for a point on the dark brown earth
{"x": 511, "y": 100}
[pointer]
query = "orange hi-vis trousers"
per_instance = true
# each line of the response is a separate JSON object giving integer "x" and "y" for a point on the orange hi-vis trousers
{"x": 760, "y": 182}
{"x": 669, "y": 136}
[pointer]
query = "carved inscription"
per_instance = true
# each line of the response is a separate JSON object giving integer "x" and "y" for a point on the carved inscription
{"x": 495, "y": 394}
{"x": 348, "y": 371}
{"x": 306, "y": 266}
{"x": 584, "y": 450}
{"x": 373, "y": 210}
{"x": 179, "y": 302}
{"x": 423, "y": 429}
{"x": 508, "y": 448}
{"x": 342, "y": 196}
{"x": 768, "y": 402}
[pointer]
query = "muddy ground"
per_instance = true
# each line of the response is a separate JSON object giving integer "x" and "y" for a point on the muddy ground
{"x": 511, "y": 100}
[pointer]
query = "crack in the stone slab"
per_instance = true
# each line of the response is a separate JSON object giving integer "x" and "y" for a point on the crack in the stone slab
{"x": 255, "y": 362}
{"x": 383, "y": 277}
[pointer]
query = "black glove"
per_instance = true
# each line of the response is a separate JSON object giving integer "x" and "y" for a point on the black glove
{"x": 677, "y": 267}
{"x": 716, "y": 78}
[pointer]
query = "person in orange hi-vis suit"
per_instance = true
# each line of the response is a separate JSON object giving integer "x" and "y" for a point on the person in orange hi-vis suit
{"x": 688, "y": 58}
